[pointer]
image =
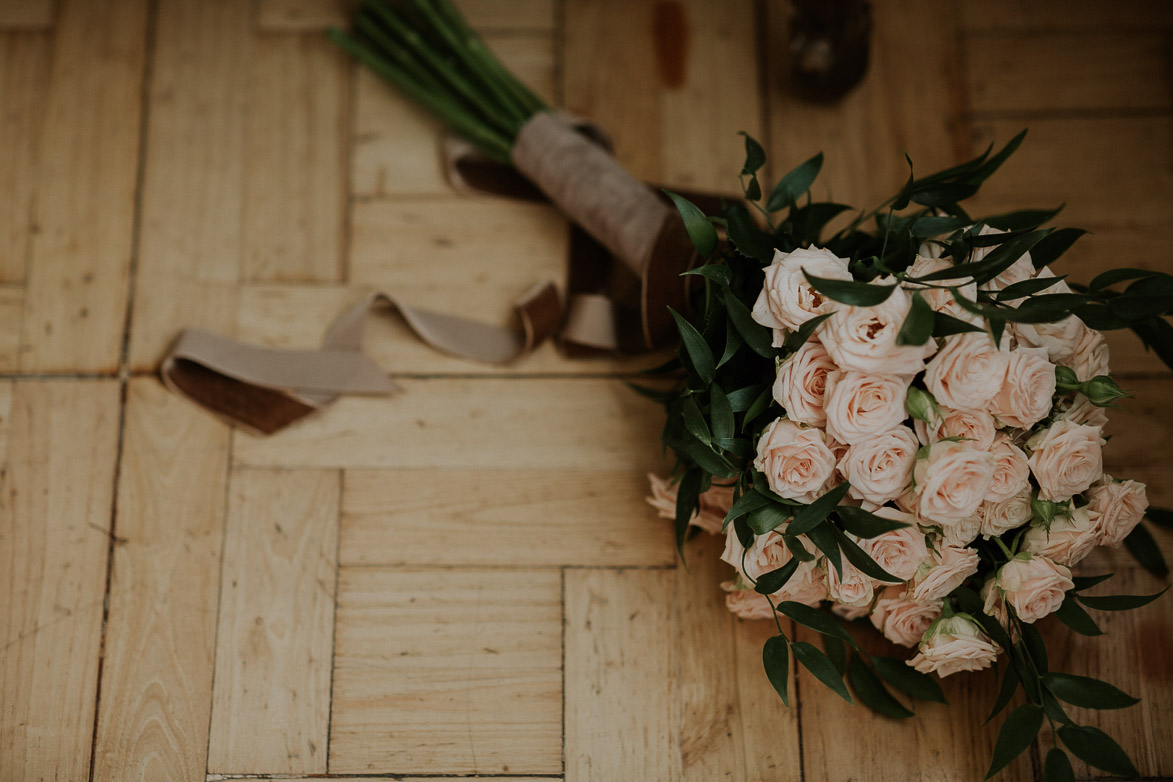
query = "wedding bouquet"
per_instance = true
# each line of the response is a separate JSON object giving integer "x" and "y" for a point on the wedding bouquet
{"x": 905, "y": 426}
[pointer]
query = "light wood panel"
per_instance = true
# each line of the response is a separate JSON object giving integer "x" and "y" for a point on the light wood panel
{"x": 164, "y": 592}
{"x": 304, "y": 15}
{"x": 54, "y": 537}
{"x": 11, "y": 314}
{"x": 271, "y": 701}
{"x": 473, "y": 424}
{"x": 295, "y": 180}
{"x": 454, "y": 671}
{"x": 26, "y": 14}
{"x": 619, "y": 651}
{"x": 1141, "y": 433}
{"x": 24, "y": 81}
{"x": 190, "y": 241}
{"x": 75, "y": 308}
{"x": 770, "y": 730}
{"x": 513, "y": 519}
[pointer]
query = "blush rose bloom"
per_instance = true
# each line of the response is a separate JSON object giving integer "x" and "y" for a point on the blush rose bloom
{"x": 1070, "y": 539}
{"x": 1032, "y": 585}
{"x": 967, "y": 372}
{"x": 943, "y": 572}
{"x": 941, "y": 299}
{"x": 1091, "y": 355}
{"x": 801, "y": 384}
{"x": 860, "y": 405}
{"x": 710, "y": 516}
{"x": 880, "y": 467}
{"x": 1121, "y": 505}
{"x": 964, "y": 532}
{"x": 953, "y": 644}
{"x": 1066, "y": 459}
{"x": 1079, "y": 408}
{"x": 902, "y": 619}
{"x": 977, "y": 429}
{"x": 1025, "y": 396}
{"x": 900, "y": 551}
{"x": 746, "y": 603}
{"x": 863, "y": 339}
{"x": 1004, "y": 515}
{"x": 854, "y": 588}
{"x": 808, "y": 586}
{"x": 787, "y": 300}
{"x": 1022, "y": 269}
{"x": 796, "y": 462}
{"x": 951, "y": 482}
{"x": 1011, "y": 470}
{"x": 768, "y": 552}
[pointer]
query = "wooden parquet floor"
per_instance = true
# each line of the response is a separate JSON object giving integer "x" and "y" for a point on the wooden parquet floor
{"x": 464, "y": 579}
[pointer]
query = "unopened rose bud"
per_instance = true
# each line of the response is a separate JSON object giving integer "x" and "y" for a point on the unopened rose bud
{"x": 921, "y": 405}
{"x": 1103, "y": 391}
{"x": 1066, "y": 381}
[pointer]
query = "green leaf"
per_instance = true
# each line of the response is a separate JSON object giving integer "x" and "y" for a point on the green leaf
{"x": 872, "y": 693}
{"x": 1071, "y": 614}
{"x": 836, "y": 652}
{"x": 1058, "y": 767}
{"x": 687, "y": 502}
{"x": 1033, "y": 640}
{"x": 826, "y": 542}
{"x": 720, "y": 413}
{"x": 1026, "y": 288}
{"x": 918, "y": 326}
{"x": 1005, "y": 692}
{"x": 1023, "y": 220}
{"x": 1119, "y": 602}
{"x": 769, "y": 517}
{"x": 705, "y": 458}
{"x": 996, "y": 262}
{"x": 909, "y": 680}
{"x": 1144, "y": 549}
{"x": 821, "y": 666}
{"x": 799, "y": 338}
{"x": 858, "y": 557}
{"x": 994, "y": 163}
{"x": 741, "y": 399}
{"x": 1114, "y": 276}
{"x": 758, "y": 337}
{"x": 816, "y": 620}
{"x": 1017, "y": 733}
{"x": 798, "y": 550}
{"x": 1087, "y": 582}
{"x": 808, "y": 221}
{"x": 1086, "y": 692}
{"x": 810, "y": 515}
{"x": 771, "y": 582}
{"x": 746, "y": 503}
{"x": 928, "y": 226}
{"x": 733, "y": 343}
{"x": 946, "y": 325}
{"x": 776, "y": 659}
{"x": 695, "y": 347}
{"x": 794, "y": 184}
{"x": 1160, "y": 516}
{"x": 700, "y": 230}
{"x": 760, "y": 405}
{"x": 1098, "y": 749}
{"x": 1049, "y": 250}
{"x": 864, "y": 524}
{"x": 717, "y": 272}
{"x": 745, "y": 236}
{"x": 755, "y": 156}
{"x": 857, "y": 294}
{"x": 942, "y": 193}
{"x": 694, "y": 421}
{"x": 902, "y": 198}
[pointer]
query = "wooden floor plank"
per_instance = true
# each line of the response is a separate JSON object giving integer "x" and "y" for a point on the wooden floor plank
{"x": 295, "y": 181}
{"x": 770, "y": 730}
{"x": 24, "y": 81}
{"x": 165, "y": 587}
{"x": 79, "y": 268}
{"x": 271, "y": 700}
{"x": 1064, "y": 14}
{"x": 521, "y": 519}
{"x": 620, "y": 650}
{"x": 26, "y": 14}
{"x": 536, "y": 16}
{"x": 11, "y": 315}
{"x": 191, "y": 243}
{"x": 471, "y": 424}
{"x": 58, "y": 487}
{"x": 447, "y": 672}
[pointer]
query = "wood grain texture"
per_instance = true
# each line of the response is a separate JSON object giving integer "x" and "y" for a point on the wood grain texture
{"x": 26, "y": 14}
{"x": 164, "y": 592}
{"x": 191, "y": 237}
{"x": 271, "y": 700}
{"x": 453, "y": 671}
{"x": 55, "y": 512}
{"x": 24, "y": 81}
{"x": 538, "y": 424}
{"x": 494, "y": 517}
{"x": 295, "y": 180}
{"x": 770, "y": 730}
{"x": 620, "y": 651}
{"x": 534, "y": 16}
{"x": 1064, "y": 14}
{"x": 79, "y": 267}
{"x": 11, "y": 315}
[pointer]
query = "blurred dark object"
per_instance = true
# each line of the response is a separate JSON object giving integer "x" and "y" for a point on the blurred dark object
{"x": 829, "y": 44}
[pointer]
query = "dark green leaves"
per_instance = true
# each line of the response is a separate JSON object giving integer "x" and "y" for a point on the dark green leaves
{"x": 1017, "y": 733}
{"x": 771, "y": 582}
{"x": 1050, "y": 248}
{"x": 808, "y": 516}
{"x": 821, "y": 666}
{"x": 909, "y": 680}
{"x": 863, "y": 524}
{"x": 1119, "y": 602}
{"x": 1097, "y": 748}
{"x": 687, "y": 502}
{"x": 700, "y": 230}
{"x": 1058, "y": 767}
{"x": 815, "y": 619}
{"x": 794, "y": 184}
{"x": 872, "y": 692}
{"x": 857, "y": 294}
{"x": 1005, "y": 692}
{"x": 745, "y": 236}
{"x": 1144, "y": 549}
{"x": 1071, "y": 614}
{"x": 1086, "y": 692}
{"x": 858, "y": 557}
{"x": 918, "y": 326}
{"x": 695, "y": 347}
{"x": 758, "y": 337}
{"x": 776, "y": 659}
{"x": 769, "y": 517}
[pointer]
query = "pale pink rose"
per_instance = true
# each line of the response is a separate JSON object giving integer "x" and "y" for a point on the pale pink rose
{"x": 1011, "y": 471}
{"x": 1058, "y": 339}
{"x": 802, "y": 384}
{"x": 1022, "y": 269}
{"x": 901, "y": 619}
{"x": 787, "y": 300}
{"x": 975, "y": 428}
{"x": 967, "y": 372}
{"x": 963, "y": 532}
{"x": 710, "y": 516}
{"x": 1121, "y": 505}
{"x": 953, "y": 644}
{"x": 796, "y": 462}
{"x": 1091, "y": 355}
{"x": 993, "y": 602}
{"x": 947, "y": 569}
{"x": 854, "y": 588}
{"x": 1033, "y": 586}
{"x": 1079, "y": 408}
{"x": 863, "y": 339}
{"x": 941, "y": 299}
{"x": 859, "y": 405}
{"x": 880, "y": 467}
{"x": 951, "y": 482}
{"x": 1070, "y": 539}
{"x": 1066, "y": 459}
{"x": 901, "y": 551}
{"x": 1004, "y": 515}
{"x": 808, "y": 586}
{"x": 746, "y": 603}
{"x": 768, "y": 552}
{"x": 1025, "y": 396}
